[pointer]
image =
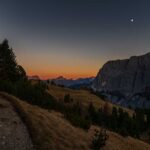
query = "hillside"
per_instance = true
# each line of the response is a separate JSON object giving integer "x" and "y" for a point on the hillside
{"x": 83, "y": 96}
{"x": 50, "y": 131}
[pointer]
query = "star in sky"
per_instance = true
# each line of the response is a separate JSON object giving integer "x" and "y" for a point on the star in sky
{"x": 132, "y": 20}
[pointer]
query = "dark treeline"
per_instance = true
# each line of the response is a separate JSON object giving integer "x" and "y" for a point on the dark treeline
{"x": 13, "y": 80}
{"x": 119, "y": 121}
{"x": 115, "y": 119}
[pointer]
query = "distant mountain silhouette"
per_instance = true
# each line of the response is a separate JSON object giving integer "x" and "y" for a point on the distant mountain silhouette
{"x": 74, "y": 83}
{"x": 35, "y": 77}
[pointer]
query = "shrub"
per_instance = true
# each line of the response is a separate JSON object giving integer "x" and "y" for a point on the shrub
{"x": 99, "y": 139}
{"x": 79, "y": 121}
{"x": 67, "y": 98}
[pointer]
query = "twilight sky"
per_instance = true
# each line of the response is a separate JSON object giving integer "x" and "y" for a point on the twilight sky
{"x": 74, "y": 38}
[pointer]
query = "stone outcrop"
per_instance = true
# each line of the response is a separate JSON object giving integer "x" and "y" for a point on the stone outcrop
{"x": 127, "y": 77}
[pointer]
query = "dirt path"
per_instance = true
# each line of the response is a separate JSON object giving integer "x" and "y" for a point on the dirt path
{"x": 13, "y": 132}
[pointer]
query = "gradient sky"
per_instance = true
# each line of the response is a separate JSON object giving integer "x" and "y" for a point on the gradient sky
{"x": 74, "y": 38}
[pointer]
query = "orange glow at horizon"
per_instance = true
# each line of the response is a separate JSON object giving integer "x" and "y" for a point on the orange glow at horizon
{"x": 65, "y": 75}
{"x": 54, "y": 71}
{"x": 67, "y": 72}
{"x": 55, "y": 65}
{"x": 44, "y": 77}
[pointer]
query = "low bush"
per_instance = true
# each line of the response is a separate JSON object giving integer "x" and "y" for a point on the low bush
{"x": 99, "y": 139}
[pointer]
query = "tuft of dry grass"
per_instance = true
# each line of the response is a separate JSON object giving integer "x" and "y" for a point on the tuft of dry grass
{"x": 118, "y": 142}
{"x": 50, "y": 131}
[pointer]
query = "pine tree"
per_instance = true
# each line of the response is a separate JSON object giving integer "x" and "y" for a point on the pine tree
{"x": 9, "y": 69}
{"x": 107, "y": 109}
{"x": 114, "y": 117}
{"x": 93, "y": 113}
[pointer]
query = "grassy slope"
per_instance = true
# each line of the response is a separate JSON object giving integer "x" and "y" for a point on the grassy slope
{"x": 50, "y": 131}
{"x": 83, "y": 96}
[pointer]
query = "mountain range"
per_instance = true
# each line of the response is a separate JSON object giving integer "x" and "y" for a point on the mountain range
{"x": 73, "y": 83}
{"x": 125, "y": 82}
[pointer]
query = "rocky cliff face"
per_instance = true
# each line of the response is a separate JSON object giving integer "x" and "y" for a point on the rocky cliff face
{"x": 125, "y": 79}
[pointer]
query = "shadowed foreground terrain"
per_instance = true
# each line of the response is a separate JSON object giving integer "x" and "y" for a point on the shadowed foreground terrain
{"x": 50, "y": 131}
{"x": 13, "y": 132}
